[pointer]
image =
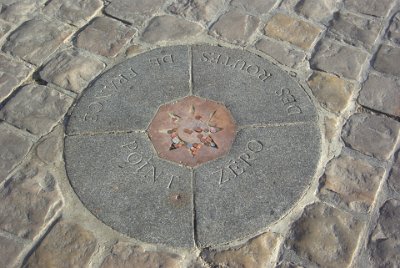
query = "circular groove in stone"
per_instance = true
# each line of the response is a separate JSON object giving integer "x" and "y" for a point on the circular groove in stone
{"x": 122, "y": 181}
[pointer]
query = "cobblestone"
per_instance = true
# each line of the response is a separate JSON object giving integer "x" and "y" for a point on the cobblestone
{"x": 393, "y": 33}
{"x": 287, "y": 56}
{"x": 235, "y": 27}
{"x": 104, "y": 36}
{"x": 67, "y": 245}
{"x": 49, "y": 149}
{"x": 4, "y": 28}
{"x": 36, "y": 109}
{"x": 394, "y": 177}
{"x": 369, "y": 7}
{"x": 318, "y": 10}
{"x": 258, "y": 252}
{"x": 325, "y": 235}
{"x": 76, "y": 12}
{"x": 339, "y": 59}
{"x": 351, "y": 182}
{"x": 387, "y": 59}
{"x": 381, "y": 94}
{"x": 71, "y": 70}
{"x": 371, "y": 134}
{"x": 34, "y": 40}
{"x": 384, "y": 244}
{"x": 255, "y": 7}
{"x": 9, "y": 250}
{"x": 11, "y": 75}
{"x": 28, "y": 199}
{"x": 124, "y": 255}
{"x": 169, "y": 28}
{"x": 14, "y": 147}
{"x": 16, "y": 11}
{"x": 332, "y": 92}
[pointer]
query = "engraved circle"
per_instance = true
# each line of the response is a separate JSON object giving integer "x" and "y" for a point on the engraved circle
{"x": 120, "y": 132}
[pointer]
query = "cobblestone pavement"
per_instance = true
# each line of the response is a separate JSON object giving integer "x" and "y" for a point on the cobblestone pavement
{"x": 346, "y": 52}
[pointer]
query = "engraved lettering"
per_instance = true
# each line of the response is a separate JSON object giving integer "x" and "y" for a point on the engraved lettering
{"x": 160, "y": 61}
{"x": 255, "y": 146}
{"x": 235, "y": 168}
{"x": 264, "y": 75}
{"x": 221, "y": 176}
{"x": 146, "y": 162}
{"x": 294, "y": 110}
{"x": 289, "y": 101}
{"x": 131, "y": 155}
{"x": 227, "y": 62}
{"x": 131, "y": 146}
{"x": 245, "y": 157}
{"x": 170, "y": 182}
{"x": 253, "y": 69}
{"x": 94, "y": 109}
{"x": 239, "y": 62}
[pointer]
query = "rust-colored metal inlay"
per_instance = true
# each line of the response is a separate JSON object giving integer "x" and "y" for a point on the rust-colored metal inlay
{"x": 192, "y": 131}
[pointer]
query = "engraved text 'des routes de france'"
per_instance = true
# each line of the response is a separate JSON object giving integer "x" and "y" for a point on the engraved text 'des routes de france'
{"x": 192, "y": 145}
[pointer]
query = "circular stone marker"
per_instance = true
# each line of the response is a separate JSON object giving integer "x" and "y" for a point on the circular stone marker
{"x": 192, "y": 145}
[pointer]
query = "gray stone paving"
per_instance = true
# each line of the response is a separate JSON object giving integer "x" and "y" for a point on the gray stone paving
{"x": 344, "y": 53}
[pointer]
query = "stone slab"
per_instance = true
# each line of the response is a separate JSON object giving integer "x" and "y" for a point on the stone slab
{"x": 128, "y": 95}
{"x": 121, "y": 181}
{"x": 253, "y": 89}
{"x": 265, "y": 173}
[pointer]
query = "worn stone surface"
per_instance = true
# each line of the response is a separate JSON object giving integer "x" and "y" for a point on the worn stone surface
{"x": 203, "y": 11}
{"x": 36, "y": 109}
{"x": 124, "y": 255}
{"x": 384, "y": 244}
{"x": 11, "y": 75}
{"x": 9, "y": 251}
{"x": 394, "y": 175}
{"x": 14, "y": 148}
{"x": 235, "y": 26}
{"x": 325, "y": 235}
{"x": 71, "y": 70}
{"x": 339, "y": 59}
{"x": 258, "y": 252}
{"x": 255, "y": 7}
{"x": 76, "y": 12}
{"x": 354, "y": 30}
{"x": 369, "y": 7}
{"x": 34, "y": 40}
{"x": 50, "y": 148}
{"x": 294, "y": 31}
{"x": 248, "y": 195}
{"x": 4, "y": 28}
{"x": 371, "y": 134}
{"x": 105, "y": 36}
{"x": 331, "y": 128}
{"x": 66, "y": 245}
{"x": 134, "y": 13}
{"x": 351, "y": 182}
{"x": 381, "y": 93}
{"x": 332, "y": 92}
{"x": 169, "y": 28}
{"x": 387, "y": 59}
{"x": 27, "y": 200}
{"x": 319, "y": 10}
{"x": 157, "y": 209}
{"x": 282, "y": 54}
{"x": 16, "y": 11}
{"x": 393, "y": 33}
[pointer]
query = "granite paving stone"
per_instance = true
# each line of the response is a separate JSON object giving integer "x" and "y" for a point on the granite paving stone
{"x": 393, "y": 33}
{"x": 16, "y": 11}
{"x": 297, "y": 32}
{"x": 371, "y": 134}
{"x": 339, "y": 59}
{"x": 158, "y": 209}
{"x": 36, "y": 39}
{"x": 394, "y": 175}
{"x": 274, "y": 96}
{"x": 369, "y": 7}
{"x": 381, "y": 93}
{"x": 386, "y": 60}
{"x": 133, "y": 13}
{"x": 4, "y": 28}
{"x": 27, "y": 199}
{"x": 14, "y": 147}
{"x": 354, "y": 29}
{"x": 76, "y": 12}
{"x": 384, "y": 244}
{"x": 351, "y": 182}
{"x": 36, "y": 109}
{"x": 50, "y": 148}
{"x": 258, "y": 252}
{"x": 281, "y": 53}
{"x": 318, "y": 10}
{"x": 71, "y": 70}
{"x": 325, "y": 236}
{"x": 9, "y": 251}
{"x": 255, "y": 7}
{"x": 235, "y": 26}
{"x": 124, "y": 255}
{"x": 332, "y": 92}
{"x": 12, "y": 73}
{"x": 66, "y": 245}
{"x": 148, "y": 81}
{"x": 169, "y": 28}
{"x": 104, "y": 36}
{"x": 203, "y": 11}
{"x": 240, "y": 193}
